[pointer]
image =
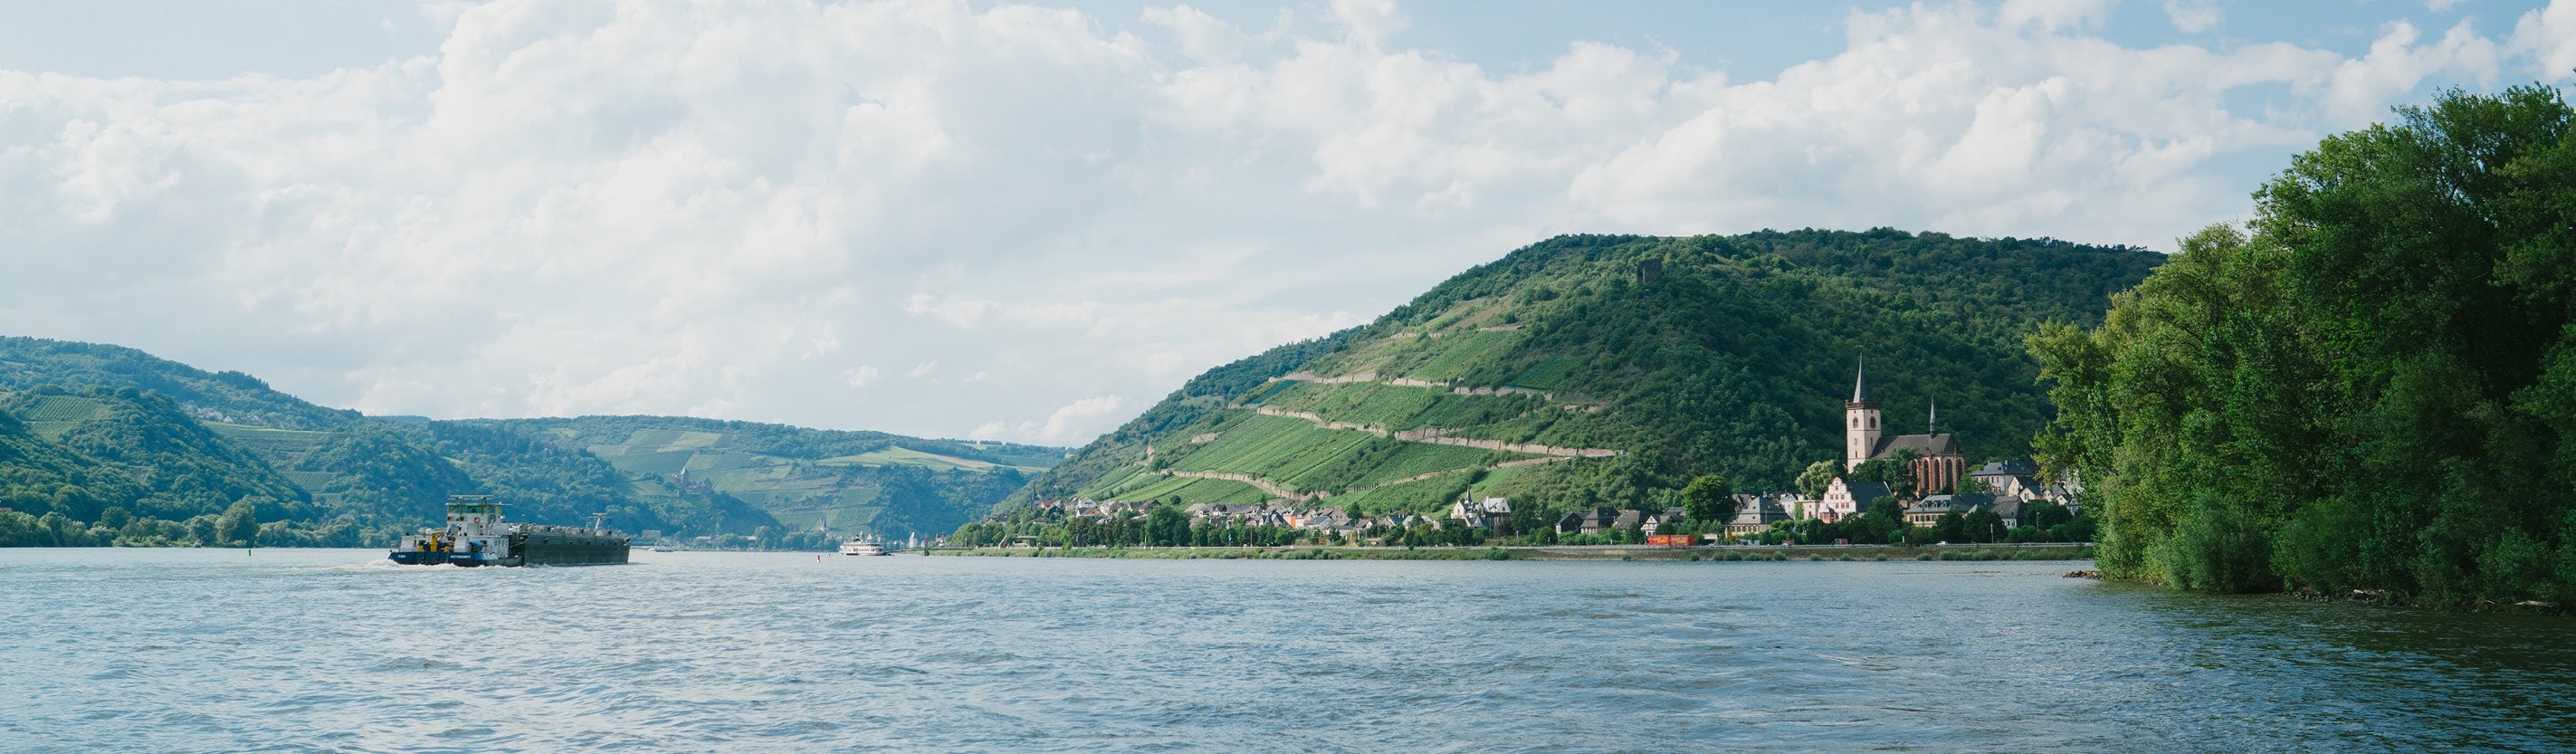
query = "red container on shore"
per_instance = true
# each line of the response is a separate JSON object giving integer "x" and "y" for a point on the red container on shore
{"x": 1672, "y": 540}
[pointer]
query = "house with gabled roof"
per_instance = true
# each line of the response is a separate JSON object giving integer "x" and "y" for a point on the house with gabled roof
{"x": 1754, "y": 514}
{"x": 1846, "y": 498}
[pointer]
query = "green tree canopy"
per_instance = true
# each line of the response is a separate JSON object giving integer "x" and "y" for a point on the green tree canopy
{"x": 1813, "y": 482}
{"x": 1709, "y": 499}
{"x": 2374, "y": 388}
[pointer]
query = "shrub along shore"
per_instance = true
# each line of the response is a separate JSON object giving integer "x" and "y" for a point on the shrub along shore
{"x": 1707, "y": 554}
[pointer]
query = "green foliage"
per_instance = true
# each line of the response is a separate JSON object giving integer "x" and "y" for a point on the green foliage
{"x": 1709, "y": 499}
{"x": 146, "y": 456}
{"x": 240, "y": 522}
{"x": 1817, "y": 478}
{"x": 380, "y": 472}
{"x": 219, "y": 396}
{"x": 2369, "y": 391}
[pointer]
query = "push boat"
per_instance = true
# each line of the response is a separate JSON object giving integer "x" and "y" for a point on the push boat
{"x": 862, "y": 545}
{"x": 477, "y": 535}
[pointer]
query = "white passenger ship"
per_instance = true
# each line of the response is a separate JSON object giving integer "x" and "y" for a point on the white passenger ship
{"x": 862, "y": 545}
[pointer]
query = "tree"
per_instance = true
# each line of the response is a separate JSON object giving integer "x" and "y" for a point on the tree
{"x": 2042, "y": 514}
{"x": 1709, "y": 499}
{"x": 115, "y": 517}
{"x": 2372, "y": 385}
{"x": 1818, "y": 476}
{"x": 1950, "y": 527}
{"x": 1167, "y": 526}
{"x": 240, "y": 523}
{"x": 1884, "y": 522}
{"x": 1983, "y": 526}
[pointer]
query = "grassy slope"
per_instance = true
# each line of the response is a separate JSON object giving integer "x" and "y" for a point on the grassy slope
{"x": 1734, "y": 361}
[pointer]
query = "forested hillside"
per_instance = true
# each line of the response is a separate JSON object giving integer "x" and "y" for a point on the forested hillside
{"x": 167, "y": 451}
{"x": 808, "y": 479}
{"x": 182, "y": 469}
{"x": 216, "y": 396}
{"x": 1610, "y": 370}
{"x": 2375, "y": 389}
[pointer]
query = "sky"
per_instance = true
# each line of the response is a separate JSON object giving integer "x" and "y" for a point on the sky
{"x": 1030, "y": 222}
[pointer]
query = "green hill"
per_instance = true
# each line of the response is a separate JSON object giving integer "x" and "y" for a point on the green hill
{"x": 215, "y": 396}
{"x": 1610, "y": 370}
{"x": 807, "y": 478}
{"x": 96, "y": 427}
{"x": 182, "y": 468}
{"x": 39, "y": 476}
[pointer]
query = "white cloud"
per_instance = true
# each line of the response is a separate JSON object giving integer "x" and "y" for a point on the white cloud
{"x": 2056, "y": 14}
{"x": 1369, "y": 22}
{"x": 860, "y": 376}
{"x": 1072, "y": 424}
{"x": 740, "y": 209}
{"x": 2548, "y": 37}
{"x": 2194, "y": 16}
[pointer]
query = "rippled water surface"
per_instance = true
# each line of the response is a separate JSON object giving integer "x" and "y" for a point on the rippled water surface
{"x": 336, "y": 650}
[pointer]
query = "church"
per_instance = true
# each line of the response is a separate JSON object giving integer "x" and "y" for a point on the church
{"x": 1937, "y": 462}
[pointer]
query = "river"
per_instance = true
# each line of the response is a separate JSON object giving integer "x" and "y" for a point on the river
{"x": 339, "y": 651}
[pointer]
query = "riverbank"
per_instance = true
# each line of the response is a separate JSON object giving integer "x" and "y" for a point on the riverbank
{"x": 1732, "y": 553}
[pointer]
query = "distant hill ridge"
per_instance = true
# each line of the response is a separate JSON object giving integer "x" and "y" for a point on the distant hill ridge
{"x": 93, "y": 427}
{"x": 1610, "y": 370}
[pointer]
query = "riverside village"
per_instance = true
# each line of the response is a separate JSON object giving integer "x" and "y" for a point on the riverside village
{"x": 1912, "y": 489}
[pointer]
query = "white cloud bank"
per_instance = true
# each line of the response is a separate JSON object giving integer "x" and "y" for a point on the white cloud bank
{"x": 743, "y": 210}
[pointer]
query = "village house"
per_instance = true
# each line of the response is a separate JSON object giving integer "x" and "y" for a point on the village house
{"x": 1846, "y": 498}
{"x": 1929, "y": 510}
{"x": 1489, "y": 513}
{"x": 1594, "y": 521}
{"x": 1755, "y": 514}
{"x": 2007, "y": 478}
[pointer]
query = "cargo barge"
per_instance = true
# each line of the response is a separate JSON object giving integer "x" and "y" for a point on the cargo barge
{"x": 477, "y": 535}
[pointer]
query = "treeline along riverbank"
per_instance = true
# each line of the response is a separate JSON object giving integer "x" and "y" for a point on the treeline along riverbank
{"x": 2372, "y": 386}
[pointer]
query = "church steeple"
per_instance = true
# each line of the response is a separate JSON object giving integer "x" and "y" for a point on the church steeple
{"x": 1860, "y": 420}
{"x": 1932, "y": 422}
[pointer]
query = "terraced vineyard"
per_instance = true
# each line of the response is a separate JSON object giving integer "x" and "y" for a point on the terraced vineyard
{"x": 284, "y": 449}
{"x": 1602, "y": 370}
{"x": 1370, "y": 443}
{"x": 54, "y": 415}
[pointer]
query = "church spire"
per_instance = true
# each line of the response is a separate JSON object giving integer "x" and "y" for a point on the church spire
{"x": 1932, "y": 423}
{"x": 1860, "y": 381}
